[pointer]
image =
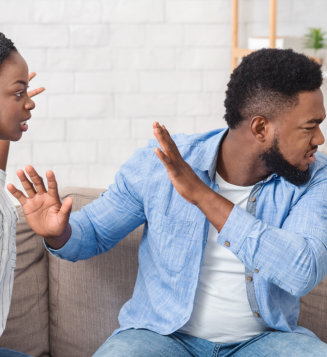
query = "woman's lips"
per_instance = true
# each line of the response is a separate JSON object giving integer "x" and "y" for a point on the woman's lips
{"x": 24, "y": 125}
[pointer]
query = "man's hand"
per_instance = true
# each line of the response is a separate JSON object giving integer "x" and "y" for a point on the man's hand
{"x": 184, "y": 179}
{"x": 215, "y": 207}
{"x": 37, "y": 91}
{"x": 42, "y": 208}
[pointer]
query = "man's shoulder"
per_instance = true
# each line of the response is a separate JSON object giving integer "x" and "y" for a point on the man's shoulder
{"x": 320, "y": 165}
{"x": 321, "y": 158}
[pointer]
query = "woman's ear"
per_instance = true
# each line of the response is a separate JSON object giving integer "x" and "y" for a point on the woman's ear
{"x": 260, "y": 128}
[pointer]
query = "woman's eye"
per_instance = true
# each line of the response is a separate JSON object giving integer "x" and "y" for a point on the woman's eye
{"x": 311, "y": 128}
{"x": 19, "y": 94}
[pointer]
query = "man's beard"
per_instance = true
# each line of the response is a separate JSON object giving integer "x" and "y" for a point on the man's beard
{"x": 275, "y": 162}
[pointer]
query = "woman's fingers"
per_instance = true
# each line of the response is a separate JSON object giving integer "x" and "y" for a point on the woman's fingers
{"x": 35, "y": 92}
{"x": 31, "y": 76}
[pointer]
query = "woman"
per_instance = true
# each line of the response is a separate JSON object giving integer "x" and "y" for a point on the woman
{"x": 15, "y": 107}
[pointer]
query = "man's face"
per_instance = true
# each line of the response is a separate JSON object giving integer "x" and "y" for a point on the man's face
{"x": 15, "y": 105}
{"x": 296, "y": 138}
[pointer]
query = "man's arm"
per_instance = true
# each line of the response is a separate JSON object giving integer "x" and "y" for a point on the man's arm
{"x": 215, "y": 207}
{"x": 42, "y": 208}
{"x": 98, "y": 226}
{"x": 293, "y": 257}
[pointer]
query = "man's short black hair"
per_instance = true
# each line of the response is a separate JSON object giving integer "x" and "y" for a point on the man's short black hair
{"x": 6, "y": 47}
{"x": 267, "y": 82}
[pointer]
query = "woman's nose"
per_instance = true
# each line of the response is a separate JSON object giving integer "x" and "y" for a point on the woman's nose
{"x": 29, "y": 105}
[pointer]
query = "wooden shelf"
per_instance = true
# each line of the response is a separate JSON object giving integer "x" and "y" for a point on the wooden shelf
{"x": 238, "y": 52}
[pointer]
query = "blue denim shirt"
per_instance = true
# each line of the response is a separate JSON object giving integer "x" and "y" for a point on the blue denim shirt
{"x": 281, "y": 238}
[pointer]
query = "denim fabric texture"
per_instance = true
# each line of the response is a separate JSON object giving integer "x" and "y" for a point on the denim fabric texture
{"x": 5, "y": 352}
{"x": 281, "y": 238}
{"x": 140, "y": 343}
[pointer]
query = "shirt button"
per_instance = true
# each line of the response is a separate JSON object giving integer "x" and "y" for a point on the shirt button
{"x": 227, "y": 244}
{"x": 256, "y": 270}
{"x": 252, "y": 199}
{"x": 256, "y": 314}
{"x": 249, "y": 278}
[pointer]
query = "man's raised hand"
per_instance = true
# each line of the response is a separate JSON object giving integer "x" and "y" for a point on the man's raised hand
{"x": 182, "y": 176}
{"x": 42, "y": 208}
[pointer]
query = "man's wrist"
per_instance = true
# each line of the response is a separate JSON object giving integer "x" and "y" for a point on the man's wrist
{"x": 59, "y": 242}
{"x": 204, "y": 193}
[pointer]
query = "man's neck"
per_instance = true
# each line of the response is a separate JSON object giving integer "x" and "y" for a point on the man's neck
{"x": 238, "y": 161}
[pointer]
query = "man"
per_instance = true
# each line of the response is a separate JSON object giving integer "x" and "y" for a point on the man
{"x": 235, "y": 222}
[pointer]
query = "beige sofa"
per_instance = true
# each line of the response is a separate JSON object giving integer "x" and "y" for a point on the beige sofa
{"x": 64, "y": 309}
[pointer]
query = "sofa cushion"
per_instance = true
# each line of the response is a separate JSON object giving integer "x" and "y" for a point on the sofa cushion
{"x": 313, "y": 313}
{"x": 27, "y": 324}
{"x": 86, "y": 296}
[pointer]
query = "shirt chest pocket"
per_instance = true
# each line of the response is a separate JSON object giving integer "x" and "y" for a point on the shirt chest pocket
{"x": 170, "y": 241}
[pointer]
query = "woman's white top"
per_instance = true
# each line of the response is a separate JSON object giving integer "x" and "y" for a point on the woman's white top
{"x": 8, "y": 220}
{"x": 221, "y": 311}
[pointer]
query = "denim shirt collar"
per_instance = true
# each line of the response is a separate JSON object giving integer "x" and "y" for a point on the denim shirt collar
{"x": 206, "y": 155}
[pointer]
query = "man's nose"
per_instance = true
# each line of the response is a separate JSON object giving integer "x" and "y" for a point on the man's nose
{"x": 318, "y": 138}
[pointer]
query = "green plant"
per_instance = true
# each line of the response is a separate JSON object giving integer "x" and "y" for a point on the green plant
{"x": 315, "y": 38}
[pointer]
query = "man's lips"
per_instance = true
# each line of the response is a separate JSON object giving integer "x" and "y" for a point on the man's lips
{"x": 310, "y": 155}
{"x": 311, "y": 152}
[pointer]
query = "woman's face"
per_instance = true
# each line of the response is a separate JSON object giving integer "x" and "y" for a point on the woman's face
{"x": 15, "y": 105}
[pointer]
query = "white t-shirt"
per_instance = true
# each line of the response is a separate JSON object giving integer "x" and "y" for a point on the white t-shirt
{"x": 221, "y": 311}
{"x": 8, "y": 220}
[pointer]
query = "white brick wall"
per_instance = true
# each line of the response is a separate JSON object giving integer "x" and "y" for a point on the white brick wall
{"x": 112, "y": 67}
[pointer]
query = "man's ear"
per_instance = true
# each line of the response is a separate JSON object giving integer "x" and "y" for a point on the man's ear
{"x": 260, "y": 128}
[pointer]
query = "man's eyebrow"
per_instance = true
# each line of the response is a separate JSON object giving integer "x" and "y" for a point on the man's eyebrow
{"x": 315, "y": 121}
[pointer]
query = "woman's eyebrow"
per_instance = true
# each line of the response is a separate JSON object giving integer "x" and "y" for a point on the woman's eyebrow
{"x": 20, "y": 82}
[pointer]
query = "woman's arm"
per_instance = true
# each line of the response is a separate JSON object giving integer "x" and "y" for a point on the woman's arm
{"x": 4, "y": 149}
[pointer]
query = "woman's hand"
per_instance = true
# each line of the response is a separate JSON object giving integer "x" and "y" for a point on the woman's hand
{"x": 37, "y": 91}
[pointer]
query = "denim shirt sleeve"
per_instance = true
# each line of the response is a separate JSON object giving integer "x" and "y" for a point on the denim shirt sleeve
{"x": 100, "y": 225}
{"x": 294, "y": 256}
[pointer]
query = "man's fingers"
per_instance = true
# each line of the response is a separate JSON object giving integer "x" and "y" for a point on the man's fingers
{"x": 35, "y": 92}
{"x": 66, "y": 206}
{"x": 28, "y": 186}
{"x": 17, "y": 193}
{"x": 36, "y": 179}
{"x": 163, "y": 157}
{"x": 52, "y": 184}
{"x": 166, "y": 142}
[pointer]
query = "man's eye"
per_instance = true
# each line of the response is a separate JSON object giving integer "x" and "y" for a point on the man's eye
{"x": 311, "y": 128}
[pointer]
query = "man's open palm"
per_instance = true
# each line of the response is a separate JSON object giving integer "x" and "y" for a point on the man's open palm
{"x": 42, "y": 208}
